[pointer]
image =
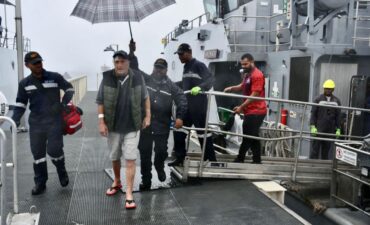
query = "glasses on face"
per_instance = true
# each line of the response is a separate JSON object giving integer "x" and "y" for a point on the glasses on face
{"x": 36, "y": 63}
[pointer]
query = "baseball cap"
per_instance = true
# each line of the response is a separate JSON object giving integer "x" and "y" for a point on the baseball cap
{"x": 184, "y": 47}
{"x": 161, "y": 63}
{"x": 120, "y": 53}
{"x": 32, "y": 57}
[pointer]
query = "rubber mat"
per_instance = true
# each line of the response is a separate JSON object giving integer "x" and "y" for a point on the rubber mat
{"x": 156, "y": 184}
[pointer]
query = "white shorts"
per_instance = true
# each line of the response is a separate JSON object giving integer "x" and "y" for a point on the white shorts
{"x": 125, "y": 144}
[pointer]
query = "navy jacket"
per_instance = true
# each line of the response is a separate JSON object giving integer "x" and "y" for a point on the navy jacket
{"x": 162, "y": 95}
{"x": 327, "y": 120}
{"x": 42, "y": 103}
{"x": 196, "y": 74}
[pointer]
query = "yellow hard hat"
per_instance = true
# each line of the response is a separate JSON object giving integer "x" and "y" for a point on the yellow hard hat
{"x": 329, "y": 84}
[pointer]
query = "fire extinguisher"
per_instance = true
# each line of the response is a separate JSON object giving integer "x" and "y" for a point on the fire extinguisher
{"x": 284, "y": 116}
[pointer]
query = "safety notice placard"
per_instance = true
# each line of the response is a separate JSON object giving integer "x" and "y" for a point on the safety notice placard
{"x": 346, "y": 156}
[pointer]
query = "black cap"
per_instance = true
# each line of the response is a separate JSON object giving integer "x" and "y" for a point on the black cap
{"x": 161, "y": 63}
{"x": 183, "y": 48}
{"x": 120, "y": 53}
{"x": 32, "y": 57}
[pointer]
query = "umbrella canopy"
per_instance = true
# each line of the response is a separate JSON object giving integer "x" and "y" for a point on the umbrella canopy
{"x": 101, "y": 11}
{"x": 6, "y": 2}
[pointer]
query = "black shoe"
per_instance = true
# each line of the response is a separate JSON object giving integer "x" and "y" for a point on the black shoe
{"x": 64, "y": 179}
{"x": 237, "y": 160}
{"x": 161, "y": 175}
{"x": 144, "y": 186}
{"x": 256, "y": 162}
{"x": 38, "y": 189}
{"x": 176, "y": 162}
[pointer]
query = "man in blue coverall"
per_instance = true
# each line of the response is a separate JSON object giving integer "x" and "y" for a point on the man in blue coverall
{"x": 196, "y": 78}
{"x": 42, "y": 90}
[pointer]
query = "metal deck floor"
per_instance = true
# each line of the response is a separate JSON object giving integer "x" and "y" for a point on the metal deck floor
{"x": 84, "y": 200}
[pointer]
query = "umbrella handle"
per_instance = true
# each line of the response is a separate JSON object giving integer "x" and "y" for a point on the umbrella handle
{"x": 129, "y": 25}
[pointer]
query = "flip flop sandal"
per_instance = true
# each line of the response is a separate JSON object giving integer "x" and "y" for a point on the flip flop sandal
{"x": 130, "y": 204}
{"x": 113, "y": 190}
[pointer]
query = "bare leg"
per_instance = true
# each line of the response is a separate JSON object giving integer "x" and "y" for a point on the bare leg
{"x": 117, "y": 172}
{"x": 130, "y": 175}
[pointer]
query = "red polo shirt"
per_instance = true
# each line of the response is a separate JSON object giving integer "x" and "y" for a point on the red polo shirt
{"x": 255, "y": 81}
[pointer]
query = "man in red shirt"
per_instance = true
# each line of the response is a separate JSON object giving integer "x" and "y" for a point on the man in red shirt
{"x": 253, "y": 84}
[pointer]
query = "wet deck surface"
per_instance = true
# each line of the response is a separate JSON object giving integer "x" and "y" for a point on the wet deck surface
{"x": 84, "y": 200}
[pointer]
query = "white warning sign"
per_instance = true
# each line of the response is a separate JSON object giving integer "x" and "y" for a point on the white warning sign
{"x": 346, "y": 156}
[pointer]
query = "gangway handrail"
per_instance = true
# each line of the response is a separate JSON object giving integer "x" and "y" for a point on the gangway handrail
{"x": 4, "y": 165}
{"x": 206, "y": 129}
{"x": 336, "y": 170}
{"x": 223, "y": 94}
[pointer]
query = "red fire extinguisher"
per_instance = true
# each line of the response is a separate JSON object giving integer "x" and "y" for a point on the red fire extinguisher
{"x": 284, "y": 116}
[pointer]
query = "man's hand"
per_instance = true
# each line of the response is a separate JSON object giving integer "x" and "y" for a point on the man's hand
{"x": 228, "y": 89}
{"x": 337, "y": 132}
{"x": 146, "y": 122}
{"x": 238, "y": 109}
{"x": 179, "y": 123}
{"x": 132, "y": 46}
{"x": 103, "y": 129}
{"x": 313, "y": 130}
{"x": 195, "y": 90}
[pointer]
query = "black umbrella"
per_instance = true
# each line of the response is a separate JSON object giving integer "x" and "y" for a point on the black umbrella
{"x": 102, "y": 11}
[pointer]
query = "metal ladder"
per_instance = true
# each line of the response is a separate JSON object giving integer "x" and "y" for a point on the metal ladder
{"x": 360, "y": 18}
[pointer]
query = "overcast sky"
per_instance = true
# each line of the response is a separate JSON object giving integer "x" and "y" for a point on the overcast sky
{"x": 73, "y": 45}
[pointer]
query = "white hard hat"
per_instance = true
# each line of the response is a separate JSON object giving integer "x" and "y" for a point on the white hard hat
{"x": 4, "y": 107}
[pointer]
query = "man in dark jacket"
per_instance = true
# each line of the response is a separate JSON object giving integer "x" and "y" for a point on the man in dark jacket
{"x": 163, "y": 92}
{"x": 45, "y": 119}
{"x": 325, "y": 120}
{"x": 196, "y": 78}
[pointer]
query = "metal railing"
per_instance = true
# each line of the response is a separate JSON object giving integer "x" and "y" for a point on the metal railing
{"x": 300, "y": 132}
{"x": 336, "y": 171}
{"x": 196, "y": 22}
{"x": 4, "y": 165}
{"x": 8, "y": 40}
{"x": 80, "y": 86}
{"x": 358, "y": 18}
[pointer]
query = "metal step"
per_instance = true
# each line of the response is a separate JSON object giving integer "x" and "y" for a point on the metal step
{"x": 272, "y": 168}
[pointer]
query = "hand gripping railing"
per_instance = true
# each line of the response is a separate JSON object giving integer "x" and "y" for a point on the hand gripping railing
{"x": 4, "y": 165}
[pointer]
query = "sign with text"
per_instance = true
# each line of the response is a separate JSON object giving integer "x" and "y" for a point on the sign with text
{"x": 212, "y": 54}
{"x": 346, "y": 156}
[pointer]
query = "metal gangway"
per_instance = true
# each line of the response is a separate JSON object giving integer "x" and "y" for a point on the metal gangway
{"x": 272, "y": 168}
{"x": 357, "y": 157}
{"x": 13, "y": 217}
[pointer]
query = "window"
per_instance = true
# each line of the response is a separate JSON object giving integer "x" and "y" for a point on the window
{"x": 210, "y": 7}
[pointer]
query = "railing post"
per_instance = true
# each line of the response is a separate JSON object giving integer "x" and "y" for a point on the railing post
{"x": 351, "y": 124}
{"x": 205, "y": 135}
{"x": 333, "y": 183}
{"x": 15, "y": 163}
{"x": 294, "y": 176}
{"x": 3, "y": 166}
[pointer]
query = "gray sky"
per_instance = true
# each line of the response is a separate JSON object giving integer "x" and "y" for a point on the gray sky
{"x": 73, "y": 45}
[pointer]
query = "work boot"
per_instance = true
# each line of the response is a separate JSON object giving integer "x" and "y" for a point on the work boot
{"x": 145, "y": 186}
{"x": 41, "y": 174}
{"x": 62, "y": 172}
{"x": 161, "y": 175}
{"x": 38, "y": 189}
{"x": 176, "y": 162}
